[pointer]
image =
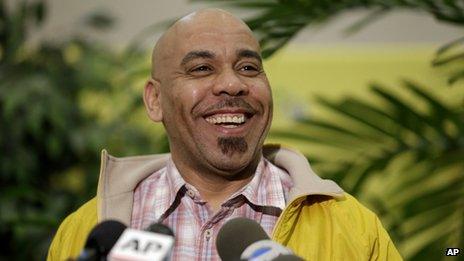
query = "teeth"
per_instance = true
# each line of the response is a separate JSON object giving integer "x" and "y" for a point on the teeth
{"x": 226, "y": 119}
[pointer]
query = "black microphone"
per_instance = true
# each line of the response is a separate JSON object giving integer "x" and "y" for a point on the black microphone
{"x": 288, "y": 258}
{"x": 245, "y": 239}
{"x": 155, "y": 243}
{"x": 235, "y": 236}
{"x": 100, "y": 240}
{"x": 160, "y": 229}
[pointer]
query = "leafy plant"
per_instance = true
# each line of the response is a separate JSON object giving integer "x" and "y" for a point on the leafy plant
{"x": 405, "y": 162}
{"x": 276, "y": 22}
{"x": 53, "y": 124}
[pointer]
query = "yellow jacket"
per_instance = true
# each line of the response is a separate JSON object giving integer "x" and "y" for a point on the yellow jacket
{"x": 320, "y": 221}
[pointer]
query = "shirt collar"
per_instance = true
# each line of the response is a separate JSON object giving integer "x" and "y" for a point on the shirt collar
{"x": 175, "y": 183}
{"x": 264, "y": 189}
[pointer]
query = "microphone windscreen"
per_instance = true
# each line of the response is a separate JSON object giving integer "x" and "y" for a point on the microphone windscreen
{"x": 104, "y": 235}
{"x": 288, "y": 258}
{"x": 236, "y": 235}
{"x": 160, "y": 229}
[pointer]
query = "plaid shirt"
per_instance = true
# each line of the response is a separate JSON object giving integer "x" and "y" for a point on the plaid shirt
{"x": 165, "y": 197}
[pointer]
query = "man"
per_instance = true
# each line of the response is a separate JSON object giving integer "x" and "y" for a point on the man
{"x": 209, "y": 89}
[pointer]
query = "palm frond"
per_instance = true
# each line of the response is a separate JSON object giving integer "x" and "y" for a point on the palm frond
{"x": 412, "y": 174}
{"x": 277, "y": 22}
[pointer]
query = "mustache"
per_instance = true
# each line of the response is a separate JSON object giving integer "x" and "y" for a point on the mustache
{"x": 234, "y": 102}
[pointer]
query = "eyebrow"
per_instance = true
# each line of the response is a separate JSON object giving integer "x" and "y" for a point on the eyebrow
{"x": 249, "y": 54}
{"x": 197, "y": 54}
{"x": 242, "y": 53}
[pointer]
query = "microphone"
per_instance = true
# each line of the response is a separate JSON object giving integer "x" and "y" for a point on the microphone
{"x": 264, "y": 250}
{"x": 155, "y": 244}
{"x": 100, "y": 240}
{"x": 288, "y": 258}
{"x": 160, "y": 229}
{"x": 245, "y": 239}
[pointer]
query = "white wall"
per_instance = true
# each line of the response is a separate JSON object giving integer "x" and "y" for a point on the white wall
{"x": 66, "y": 16}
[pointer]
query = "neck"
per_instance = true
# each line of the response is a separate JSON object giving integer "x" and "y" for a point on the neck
{"x": 214, "y": 186}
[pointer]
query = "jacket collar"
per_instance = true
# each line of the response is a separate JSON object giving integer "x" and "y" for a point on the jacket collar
{"x": 305, "y": 180}
{"x": 120, "y": 176}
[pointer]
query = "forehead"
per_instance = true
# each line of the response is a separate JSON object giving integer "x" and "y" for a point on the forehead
{"x": 219, "y": 40}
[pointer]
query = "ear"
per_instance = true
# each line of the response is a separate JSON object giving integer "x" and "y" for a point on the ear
{"x": 152, "y": 100}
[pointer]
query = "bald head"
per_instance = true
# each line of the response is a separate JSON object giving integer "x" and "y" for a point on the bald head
{"x": 206, "y": 67}
{"x": 210, "y": 20}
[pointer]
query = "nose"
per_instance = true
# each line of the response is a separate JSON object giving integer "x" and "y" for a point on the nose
{"x": 229, "y": 82}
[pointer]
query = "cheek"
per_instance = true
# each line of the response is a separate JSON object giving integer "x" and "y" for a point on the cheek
{"x": 196, "y": 95}
{"x": 262, "y": 93}
{"x": 184, "y": 97}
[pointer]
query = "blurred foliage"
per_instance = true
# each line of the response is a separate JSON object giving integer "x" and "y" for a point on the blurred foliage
{"x": 405, "y": 163}
{"x": 49, "y": 142}
{"x": 452, "y": 54}
{"x": 276, "y": 22}
{"x": 404, "y": 159}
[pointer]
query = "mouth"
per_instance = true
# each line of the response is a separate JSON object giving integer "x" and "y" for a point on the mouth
{"x": 228, "y": 120}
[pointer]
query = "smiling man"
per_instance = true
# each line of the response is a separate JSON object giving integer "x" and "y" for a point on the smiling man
{"x": 209, "y": 89}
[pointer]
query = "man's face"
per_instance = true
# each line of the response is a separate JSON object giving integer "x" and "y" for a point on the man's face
{"x": 215, "y": 98}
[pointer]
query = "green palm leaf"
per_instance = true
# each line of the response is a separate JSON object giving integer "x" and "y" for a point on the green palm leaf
{"x": 277, "y": 22}
{"x": 412, "y": 173}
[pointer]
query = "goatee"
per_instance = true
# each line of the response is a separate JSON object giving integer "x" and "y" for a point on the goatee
{"x": 231, "y": 145}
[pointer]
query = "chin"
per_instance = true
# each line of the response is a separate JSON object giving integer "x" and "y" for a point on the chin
{"x": 233, "y": 164}
{"x": 231, "y": 155}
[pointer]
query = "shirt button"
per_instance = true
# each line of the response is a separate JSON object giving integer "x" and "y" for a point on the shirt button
{"x": 190, "y": 193}
{"x": 208, "y": 234}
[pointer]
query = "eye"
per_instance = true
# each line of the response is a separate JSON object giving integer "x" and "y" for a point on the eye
{"x": 249, "y": 70}
{"x": 201, "y": 69}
